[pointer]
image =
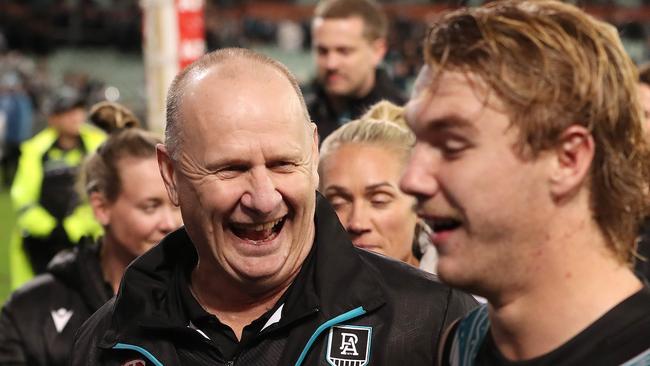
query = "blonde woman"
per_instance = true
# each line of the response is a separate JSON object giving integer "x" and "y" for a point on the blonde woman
{"x": 360, "y": 167}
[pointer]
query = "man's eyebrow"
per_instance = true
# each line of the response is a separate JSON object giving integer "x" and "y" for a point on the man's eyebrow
{"x": 450, "y": 123}
{"x": 223, "y": 162}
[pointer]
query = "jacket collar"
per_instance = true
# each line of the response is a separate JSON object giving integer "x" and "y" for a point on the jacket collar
{"x": 338, "y": 280}
{"x": 342, "y": 280}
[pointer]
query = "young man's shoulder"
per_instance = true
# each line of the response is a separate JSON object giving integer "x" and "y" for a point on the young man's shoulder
{"x": 620, "y": 336}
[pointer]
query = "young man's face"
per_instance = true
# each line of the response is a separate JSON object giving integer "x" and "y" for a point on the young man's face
{"x": 485, "y": 203}
{"x": 345, "y": 59}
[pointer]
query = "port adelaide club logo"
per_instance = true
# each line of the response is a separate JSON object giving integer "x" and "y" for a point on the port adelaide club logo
{"x": 348, "y": 345}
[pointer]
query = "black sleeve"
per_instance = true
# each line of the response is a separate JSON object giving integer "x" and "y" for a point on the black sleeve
{"x": 12, "y": 350}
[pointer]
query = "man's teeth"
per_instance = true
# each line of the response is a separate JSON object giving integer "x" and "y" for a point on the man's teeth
{"x": 258, "y": 227}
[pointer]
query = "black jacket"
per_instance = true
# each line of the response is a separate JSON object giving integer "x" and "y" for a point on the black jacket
{"x": 64, "y": 297}
{"x": 328, "y": 120}
{"x": 401, "y": 309}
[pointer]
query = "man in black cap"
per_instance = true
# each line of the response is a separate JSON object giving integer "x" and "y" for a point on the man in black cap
{"x": 49, "y": 216}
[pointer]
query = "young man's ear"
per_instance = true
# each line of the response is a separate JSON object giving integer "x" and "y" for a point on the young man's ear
{"x": 379, "y": 50}
{"x": 574, "y": 155}
{"x": 166, "y": 166}
{"x": 101, "y": 207}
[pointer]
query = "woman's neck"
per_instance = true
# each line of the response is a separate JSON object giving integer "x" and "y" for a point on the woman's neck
{"x": 113, "y": 263}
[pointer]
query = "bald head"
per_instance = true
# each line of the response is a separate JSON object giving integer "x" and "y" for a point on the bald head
{"x": 230, "y": 67}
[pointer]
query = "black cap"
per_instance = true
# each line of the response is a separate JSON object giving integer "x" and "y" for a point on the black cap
{"x": 65, "y": 98}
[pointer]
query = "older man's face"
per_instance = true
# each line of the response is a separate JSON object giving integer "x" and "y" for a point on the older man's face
{"x": 246, "y": 176}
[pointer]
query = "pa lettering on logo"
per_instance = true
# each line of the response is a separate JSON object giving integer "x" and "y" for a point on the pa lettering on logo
{"x": 138, "y": 362}
{"x": 348, "y": 345}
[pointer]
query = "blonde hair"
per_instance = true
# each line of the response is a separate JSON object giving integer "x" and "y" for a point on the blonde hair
{"x": 553, "y": 66}
{"x": 382, "y": 125}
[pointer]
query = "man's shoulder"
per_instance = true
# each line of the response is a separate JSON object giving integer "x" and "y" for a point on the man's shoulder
{"x": 417, "y": 308}
{"x": 90, "y": 336}
{"x": 624, "y": 330}
{"x": 405, "y": 281}
{"x": 620, "y": 335}
{"x": 627, "y": 321}
{"x": 393, "y": 270}
{"x": 94, "y": 328}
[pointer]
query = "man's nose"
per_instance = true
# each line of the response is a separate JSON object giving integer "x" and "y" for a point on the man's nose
{"x": 332, "y": 60}
{"x": 262, "y": 196}
{"x": 419, "y": 178}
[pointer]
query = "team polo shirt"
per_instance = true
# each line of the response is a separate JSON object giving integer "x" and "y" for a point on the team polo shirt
{"x": 221, "y": 336}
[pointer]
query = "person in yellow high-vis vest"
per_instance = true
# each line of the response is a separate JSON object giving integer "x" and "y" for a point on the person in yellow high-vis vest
{"x": 50, "y": 216}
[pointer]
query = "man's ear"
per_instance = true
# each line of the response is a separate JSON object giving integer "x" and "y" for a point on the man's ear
{"x": 379, "y": 50}
{"x": 574, "y": 155}
{"x": 101, "y": 207}
{"x": 315, "y": 153}
{"x": 166, "y": 166}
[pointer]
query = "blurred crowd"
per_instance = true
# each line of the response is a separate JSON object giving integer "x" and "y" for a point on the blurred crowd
{"x": 40, "y": 27}
{"x": 31, "y": 30}
{"x": 26, "y": 96}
